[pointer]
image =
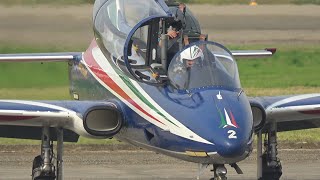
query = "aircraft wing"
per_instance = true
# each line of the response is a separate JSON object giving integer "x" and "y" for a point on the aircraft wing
{"x": 41, "y": 57}
{"x": 291, "y": 112}
{"x": 85, "y": 118}
{"x": 253, "y": 53}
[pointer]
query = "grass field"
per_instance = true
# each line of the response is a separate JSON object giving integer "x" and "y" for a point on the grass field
{"x": 286, "y": 69}
{"x": 33, "y": 75}
{"x": 289, "y": 67}
{"x": 217, "y": 2}
{"x": 223, "y": 2}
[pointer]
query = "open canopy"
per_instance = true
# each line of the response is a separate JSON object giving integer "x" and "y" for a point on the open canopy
{"x": 114, "y": 20}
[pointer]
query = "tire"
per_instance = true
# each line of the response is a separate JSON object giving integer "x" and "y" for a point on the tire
{"x": 36, "y": 170}
{"x": 269, "y": 173}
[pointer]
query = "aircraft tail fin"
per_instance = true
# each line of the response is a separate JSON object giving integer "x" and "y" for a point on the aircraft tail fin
{"x": 41, "y": 57}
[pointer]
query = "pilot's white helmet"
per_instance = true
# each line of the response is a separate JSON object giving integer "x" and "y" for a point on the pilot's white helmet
{"x": 191, "y": 53}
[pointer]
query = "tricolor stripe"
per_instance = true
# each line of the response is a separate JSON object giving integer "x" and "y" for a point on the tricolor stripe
{"x": 226, "y": 121}
{"x": 137, "y": 93}
{"x": 97, "y": 70}
{"x": 130, "y": 92}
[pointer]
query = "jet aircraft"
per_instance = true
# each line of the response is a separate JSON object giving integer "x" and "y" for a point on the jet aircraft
{"x": 189, "y": 105}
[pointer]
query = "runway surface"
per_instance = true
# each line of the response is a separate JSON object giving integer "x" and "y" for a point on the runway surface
{"x": 235, "y": 24}
{"x": 131, "y": 163}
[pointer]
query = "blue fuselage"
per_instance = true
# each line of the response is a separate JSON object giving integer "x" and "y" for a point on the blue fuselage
{"x": 220, "y": 119}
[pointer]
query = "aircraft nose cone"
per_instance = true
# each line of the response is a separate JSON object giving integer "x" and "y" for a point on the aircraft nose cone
{"x": 231, "y": 149}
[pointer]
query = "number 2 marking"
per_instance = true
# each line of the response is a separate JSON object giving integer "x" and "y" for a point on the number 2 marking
{"x": 232, "y": 134}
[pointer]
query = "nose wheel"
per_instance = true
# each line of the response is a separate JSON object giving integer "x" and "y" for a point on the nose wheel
{"x": 220, "y": 172}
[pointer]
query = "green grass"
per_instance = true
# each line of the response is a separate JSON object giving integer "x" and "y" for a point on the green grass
{"x": 22, "y": 75}
{"x": 224, "y": 2}
{"x": 287, "y": 68}
{"x": 310, "y": 135}
{"x": 29, "y": 75}
{"x": 48, "y": 93}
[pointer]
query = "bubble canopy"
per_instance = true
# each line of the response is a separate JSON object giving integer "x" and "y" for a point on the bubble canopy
{"x": 114, "y": 20}
{"x": 203, "y": 64}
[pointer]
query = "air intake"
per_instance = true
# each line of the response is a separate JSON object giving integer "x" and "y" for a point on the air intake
{"x": 103, "y": 121}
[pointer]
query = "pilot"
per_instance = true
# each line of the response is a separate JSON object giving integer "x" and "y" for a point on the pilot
{"x": 190, "y": 55}
{"x": 180, "y": 72}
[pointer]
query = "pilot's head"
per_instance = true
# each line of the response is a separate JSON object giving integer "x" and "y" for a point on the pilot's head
{"x": 190, "y": 55}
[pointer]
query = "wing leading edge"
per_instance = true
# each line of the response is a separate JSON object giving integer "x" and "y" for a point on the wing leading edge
{"x": 254, "y": 53}
{"x": 41, "y": 57}
{"x": 291, "y": 112}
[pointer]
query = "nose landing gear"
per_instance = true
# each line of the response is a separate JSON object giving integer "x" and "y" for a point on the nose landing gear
{"x": 220, "y": 172}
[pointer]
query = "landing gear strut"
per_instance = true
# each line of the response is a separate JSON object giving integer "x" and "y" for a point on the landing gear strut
{"x": 43, "y": 165}
{"x": 269, "y": 166}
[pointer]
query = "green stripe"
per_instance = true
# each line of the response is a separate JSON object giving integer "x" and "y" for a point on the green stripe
{"x": 142, "y": 98}
{"x": 223, "y": 120}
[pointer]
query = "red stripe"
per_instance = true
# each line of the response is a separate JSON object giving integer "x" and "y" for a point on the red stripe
{"x": 233, "y": 121}
{"x": 98, "y": 71}
{"x": 311, "y": 112}
{"x": 16, "y": 118}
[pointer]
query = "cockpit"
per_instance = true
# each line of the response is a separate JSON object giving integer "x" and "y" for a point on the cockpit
{"x": 133, "y": 34}
{"x": 201, "y": 65}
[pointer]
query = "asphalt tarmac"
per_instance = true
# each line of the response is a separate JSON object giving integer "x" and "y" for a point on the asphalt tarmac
{"x": 131, "y": 163}
{"x": 235, "y": 24}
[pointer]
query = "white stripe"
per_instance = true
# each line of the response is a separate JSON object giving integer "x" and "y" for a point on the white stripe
{"x": 228, "y": 119}
{"x": 97, "y": 55}
{"x": 291, "y": 99}
{"x": 107, "y": 68}
{"x": 33, "y": 103}
{"x": 296, "y": 108}
{"x": 173, "y": 129}
{"x": 72, "y": 121}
